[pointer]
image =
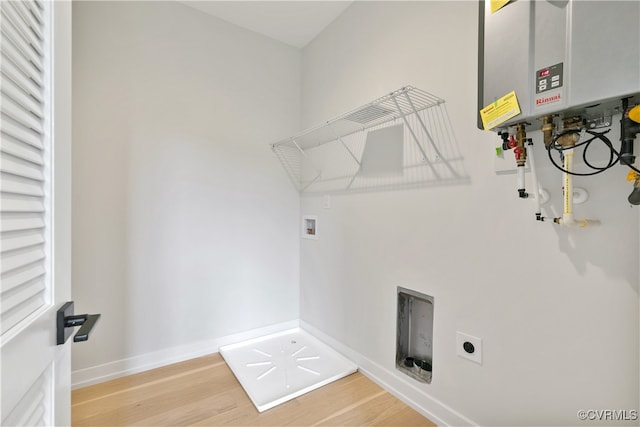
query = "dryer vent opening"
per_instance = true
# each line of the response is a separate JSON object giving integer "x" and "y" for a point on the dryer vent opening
{"x": 414, "y": 346}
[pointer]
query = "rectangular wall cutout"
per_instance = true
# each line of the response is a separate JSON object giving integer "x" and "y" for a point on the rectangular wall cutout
{"x": 310, "y": 227}
{"x": 414, "y": 346}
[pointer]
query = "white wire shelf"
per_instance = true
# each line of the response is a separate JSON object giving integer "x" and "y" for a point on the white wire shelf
{"x": 328, "y": 157}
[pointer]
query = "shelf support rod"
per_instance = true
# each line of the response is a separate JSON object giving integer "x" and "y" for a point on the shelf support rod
{"x": 295, "y": 178}
{"x": 433, "y": 144}
{"x": 339, "y": 138}
{"x": 309, "y": 184}
{"x": 312, "y": 165}
{"x": 353, "y": 178}
{"x": 415, "y": 138}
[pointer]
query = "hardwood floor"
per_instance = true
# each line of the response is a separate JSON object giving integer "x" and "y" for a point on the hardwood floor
{"x": 204, "y": 392}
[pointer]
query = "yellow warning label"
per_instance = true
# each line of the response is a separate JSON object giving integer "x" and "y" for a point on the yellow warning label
{"x": 500, "y": 110}
{"x": 496, "y": 5}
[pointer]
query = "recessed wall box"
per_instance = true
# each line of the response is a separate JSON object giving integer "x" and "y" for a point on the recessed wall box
{"x": 310, "y": 226}
{"x": 414, "y": 346}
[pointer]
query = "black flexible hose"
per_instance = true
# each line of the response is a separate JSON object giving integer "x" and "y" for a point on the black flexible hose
{"x": 614, "y": 155}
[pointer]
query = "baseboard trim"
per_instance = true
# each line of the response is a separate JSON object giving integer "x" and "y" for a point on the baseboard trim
{"x": 144, "y": 362}
{"x": 401, "y": 388}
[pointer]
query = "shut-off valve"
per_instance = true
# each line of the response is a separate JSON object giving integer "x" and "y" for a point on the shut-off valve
{"x": 629, "y": 128}
{"x": 634, "y": 197}
{"x": 523, "y": 152}
{"x": 518, "y": 145}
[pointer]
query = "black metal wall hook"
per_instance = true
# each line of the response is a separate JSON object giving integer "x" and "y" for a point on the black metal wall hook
{"x": 65, "y": 320}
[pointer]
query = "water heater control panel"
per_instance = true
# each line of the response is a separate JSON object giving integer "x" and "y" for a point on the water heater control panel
{"x": 549, "y": 78}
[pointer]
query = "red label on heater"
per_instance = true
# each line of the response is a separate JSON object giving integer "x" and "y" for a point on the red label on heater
{"x": 547, "y": 99}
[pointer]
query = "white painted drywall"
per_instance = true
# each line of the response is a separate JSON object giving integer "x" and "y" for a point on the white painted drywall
{"x": 557, "y": 309}
{"x": 185, "y": 227}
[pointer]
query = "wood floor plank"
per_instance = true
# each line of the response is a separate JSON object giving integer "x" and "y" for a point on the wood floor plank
{"x": 204, "y": 392}
{"x": 405, "y": 417}
{"x": 381, "y": 410}
{"x": 123, "y": 383}
{"x": 136, "y": 404}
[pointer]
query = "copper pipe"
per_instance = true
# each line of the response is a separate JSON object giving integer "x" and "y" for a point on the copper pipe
{"x": 547, "y": 129}
{"x": 568, "y": 138}
{"x": 521, "y": 150}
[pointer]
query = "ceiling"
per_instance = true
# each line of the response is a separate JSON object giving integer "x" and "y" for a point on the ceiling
{"x": 295, "y": 23}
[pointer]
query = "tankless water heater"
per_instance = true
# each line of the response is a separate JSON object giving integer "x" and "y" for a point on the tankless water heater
{"x": 560, "y": 57}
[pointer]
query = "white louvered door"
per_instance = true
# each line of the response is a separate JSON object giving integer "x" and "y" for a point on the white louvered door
{"x": 35, "y": 207}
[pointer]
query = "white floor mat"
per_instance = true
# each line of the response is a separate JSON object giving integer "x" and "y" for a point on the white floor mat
{"x": 282, "y": 366}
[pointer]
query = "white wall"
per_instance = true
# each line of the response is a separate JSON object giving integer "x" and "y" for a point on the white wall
{"x": 185, "y": 226}
{"x": 557, "y": 309}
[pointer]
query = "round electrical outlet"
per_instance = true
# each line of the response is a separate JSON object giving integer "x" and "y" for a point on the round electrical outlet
{"x": 468, "y": 347}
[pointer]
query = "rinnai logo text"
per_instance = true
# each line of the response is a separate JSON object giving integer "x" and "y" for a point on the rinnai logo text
{"x": 547, "y": 100}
